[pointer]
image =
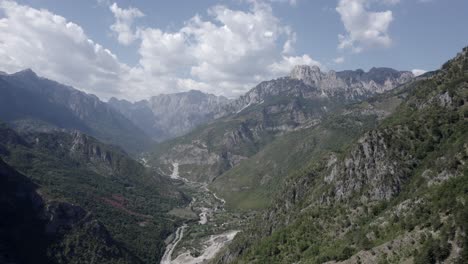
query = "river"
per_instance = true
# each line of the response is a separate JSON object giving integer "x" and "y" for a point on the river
{"x": 209, "y": 208}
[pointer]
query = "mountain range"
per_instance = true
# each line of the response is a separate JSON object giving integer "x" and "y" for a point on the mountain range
{"x": 310, "y": 82}
{"x": 273, "y": 108}
{"x": 170, "y": 115}
{"x": 314, "y": 167}
{"x": 395, "y": 193}
{"x": 32, "y": 103}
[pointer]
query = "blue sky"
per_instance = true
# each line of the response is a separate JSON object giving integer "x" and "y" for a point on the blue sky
{"x": 136, "y": 49}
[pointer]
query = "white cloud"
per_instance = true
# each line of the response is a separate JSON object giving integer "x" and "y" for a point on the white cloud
{"x": 163, "y": 52}
{"x": 56, "y": 48}
{"x": 391, "y": 2}
{"x": 365, "y": 29}
{"x": 287, "y": 63}
{"x": 339, "y": 60}
{"x": 288, "y": 47}
{"x": 123, "y": 23}
{"x": 290, "y": 2}
{"x": 227, "y": 52}
{"x": 418, "y": 72}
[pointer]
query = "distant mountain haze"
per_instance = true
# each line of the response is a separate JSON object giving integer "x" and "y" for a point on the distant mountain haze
{"x": 170, "y": 115}
{"x": 29, "y": 102}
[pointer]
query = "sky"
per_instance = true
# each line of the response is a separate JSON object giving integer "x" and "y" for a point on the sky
{"x": 136, "y": 49}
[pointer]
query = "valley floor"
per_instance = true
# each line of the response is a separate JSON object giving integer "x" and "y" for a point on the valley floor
{"x": 208, "y": 228}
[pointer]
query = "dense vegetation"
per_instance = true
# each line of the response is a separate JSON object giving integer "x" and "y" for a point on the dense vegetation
{"x": 279, "y": 124}
{"x": 253, "y": 183}
{"x": 127, "y": 198}
{"x": 422, "y": 152}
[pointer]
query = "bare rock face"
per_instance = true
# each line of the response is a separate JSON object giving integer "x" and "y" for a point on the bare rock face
{"x": 350, "y": 84}
{"x": 170, "y": 115}
{"x": 285, "y": 86}
{"x": 190, "y": 154}
{"x": 106, "y": 160}
{"x": 179, "y": 113}
{"x": 372, "y": 170}
{"x": 311, "y": 83}
{"x": 310, "y": 75}
{"x": 197, "y": 163}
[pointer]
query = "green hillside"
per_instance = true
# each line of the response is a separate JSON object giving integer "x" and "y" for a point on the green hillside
{"x": 253, "y": 183}
{"x": 396, "y": 195}
{"x": 130, "y": 200}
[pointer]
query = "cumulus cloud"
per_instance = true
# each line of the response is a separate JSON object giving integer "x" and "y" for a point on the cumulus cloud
{"x": 56, "y": 48}
{"x": 227, "y": 52}
{"x": 123, "y": 23}
{"x": 418, "y": 72}
{"x": 287, "y": 63}
{"x": 290, "y": 2}
{"x": 339, "y": 60}
{"x": 391, "y": 2}
{"x": 364, "y": 28}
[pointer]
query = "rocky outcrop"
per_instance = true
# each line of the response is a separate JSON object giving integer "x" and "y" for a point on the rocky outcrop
{"x": 372, "y": 170}
{"x": 286, "y": 87}
{"x": 241, "y": 135}
{"x": 190, "y": 154}
{"x": 106, "y": 160}
{"x": 351, "y": 84}
{"x": 310, "y": 82}
{"x": 197, "y": 163}
{"x": 85, "y": 146}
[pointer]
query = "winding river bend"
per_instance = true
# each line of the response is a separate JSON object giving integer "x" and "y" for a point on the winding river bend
{"x": 179, "y": 234}
{"x": 212, "y": 235}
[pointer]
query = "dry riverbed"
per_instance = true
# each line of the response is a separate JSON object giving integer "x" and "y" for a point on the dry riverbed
{"x": 209, "y": 226}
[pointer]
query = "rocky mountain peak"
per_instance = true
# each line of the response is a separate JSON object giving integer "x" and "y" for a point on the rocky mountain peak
{"x": 168, "y": 115}
{"x": 310, "y": 75}
{"x": 311, "y": 83}
{"x": 300, "y": 70}
{"x": 26, "y": 73}
{"x": 350, "y": 84}
{"x": 458, "y": 64}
